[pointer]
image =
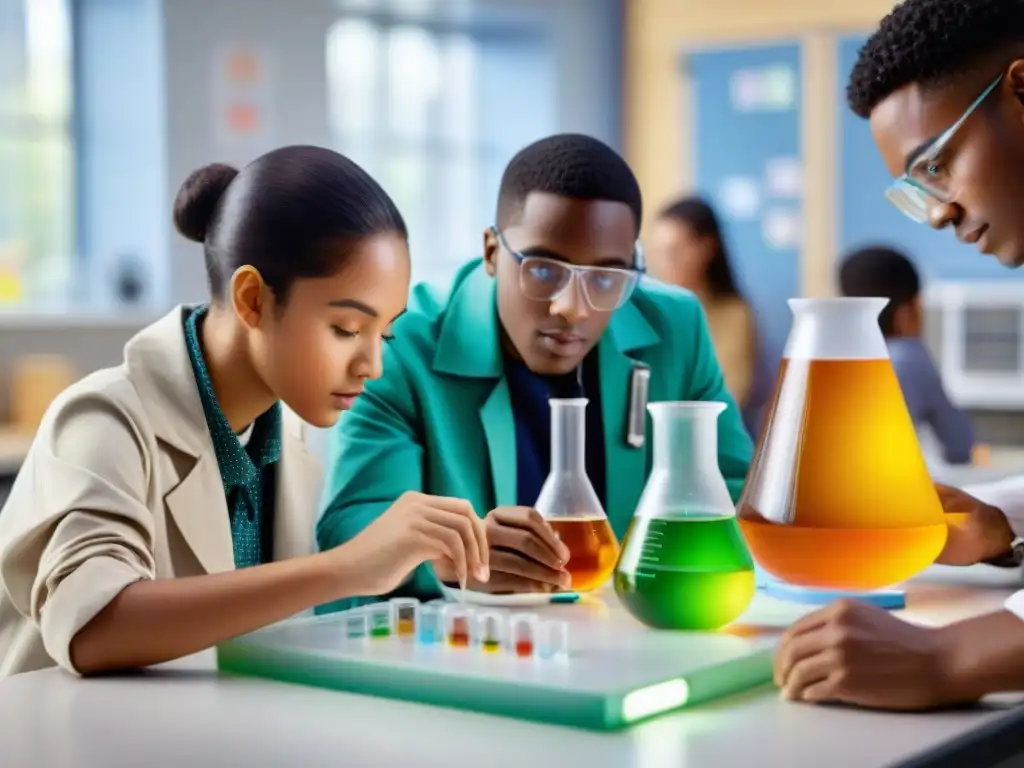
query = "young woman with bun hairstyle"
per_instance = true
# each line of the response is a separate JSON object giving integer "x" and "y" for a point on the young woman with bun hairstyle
{"x": 168, "y": 504}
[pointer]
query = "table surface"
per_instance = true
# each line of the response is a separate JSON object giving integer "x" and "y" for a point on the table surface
{"x": 186, "y": 714}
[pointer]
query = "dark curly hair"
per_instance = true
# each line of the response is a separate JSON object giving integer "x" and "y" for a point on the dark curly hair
{"x": 569, "y": 165}
{"x": 930, "y": 42}
{"x": 884, "y": 272}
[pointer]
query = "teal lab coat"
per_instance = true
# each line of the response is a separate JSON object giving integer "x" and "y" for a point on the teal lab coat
{"x": 440, "y": 419}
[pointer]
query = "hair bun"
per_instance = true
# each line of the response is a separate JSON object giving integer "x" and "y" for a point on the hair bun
{"x": 198, "y": 197}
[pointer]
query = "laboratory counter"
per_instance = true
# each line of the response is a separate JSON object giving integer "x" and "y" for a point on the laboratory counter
{"x": 186, "y": 713}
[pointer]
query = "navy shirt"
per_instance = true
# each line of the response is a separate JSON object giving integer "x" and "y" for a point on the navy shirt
{"x": 529, "y": 393}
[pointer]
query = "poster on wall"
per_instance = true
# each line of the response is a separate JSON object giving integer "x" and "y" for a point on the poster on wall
{"x": 242, "y": 91}
{"x": 746, "y": 111}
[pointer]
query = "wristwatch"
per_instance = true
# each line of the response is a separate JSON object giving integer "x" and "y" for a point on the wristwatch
{"x": 1013, "y": 558}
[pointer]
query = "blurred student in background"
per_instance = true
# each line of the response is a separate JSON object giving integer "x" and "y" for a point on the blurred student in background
{"x": 887, "y": 273}
{"x": 687, "y": 248}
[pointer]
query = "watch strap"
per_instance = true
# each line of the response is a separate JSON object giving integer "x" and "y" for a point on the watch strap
{"x": 1012, "y": 559}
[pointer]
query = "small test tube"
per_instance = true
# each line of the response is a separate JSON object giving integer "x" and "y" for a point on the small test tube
{"x": 380, "y": 619}
{"x": 456, "y": 625}
{"x": 554, "y": 639}
{"x": 356, "y": 624}
{"x": 404, "y": 613}
{"x": 522, "y": 634}
{"x": 490, "y": 631}
{"x": 429, "y": 627}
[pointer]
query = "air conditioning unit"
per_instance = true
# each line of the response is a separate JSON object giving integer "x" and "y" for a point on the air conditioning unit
{"x": 976, "y": 333}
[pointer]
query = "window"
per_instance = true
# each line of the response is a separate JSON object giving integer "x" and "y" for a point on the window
{"x": 419, "y": 106}
{"x": 36, "y": 155}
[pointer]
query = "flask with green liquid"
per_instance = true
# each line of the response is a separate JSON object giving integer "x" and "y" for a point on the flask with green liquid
{"x": 684, "y": 563}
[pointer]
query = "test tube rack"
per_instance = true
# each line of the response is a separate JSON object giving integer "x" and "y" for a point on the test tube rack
{"x": 459, "y": 627}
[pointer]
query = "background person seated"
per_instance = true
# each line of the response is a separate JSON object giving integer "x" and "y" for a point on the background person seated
{"x": 887, "y": 273}
{"x": 687, "y": 248}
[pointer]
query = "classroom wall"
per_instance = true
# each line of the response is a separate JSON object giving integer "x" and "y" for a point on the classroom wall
{"x": 146, "y": 120}
{"x": 658, "y": 135}
{"x": 843, "y": 177}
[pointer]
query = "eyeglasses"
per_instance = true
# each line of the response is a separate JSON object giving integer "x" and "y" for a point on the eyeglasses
{"x": 604, "y": 288}
{"x": 925, "y": 179}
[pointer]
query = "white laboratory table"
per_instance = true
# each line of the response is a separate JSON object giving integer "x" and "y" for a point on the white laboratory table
{"x": 184, "y": 714}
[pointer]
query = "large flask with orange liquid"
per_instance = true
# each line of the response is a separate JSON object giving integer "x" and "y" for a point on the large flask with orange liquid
{"x": 838, "y": 495}
{"x": 569, "y": 503}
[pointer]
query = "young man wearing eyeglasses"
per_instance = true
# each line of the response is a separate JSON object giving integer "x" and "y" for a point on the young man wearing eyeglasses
{"x": 555, "y": 308}
{"x": 942, "y": 82}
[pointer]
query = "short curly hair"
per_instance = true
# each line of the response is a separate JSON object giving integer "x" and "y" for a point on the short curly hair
{"x": 881, "y": 271}
{"x": 930, "y": 42}
{"x": 569, "y": 165}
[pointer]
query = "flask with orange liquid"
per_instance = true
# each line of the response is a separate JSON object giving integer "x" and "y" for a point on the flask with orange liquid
{"x": 838, "y": 495}
{"x": 569, "y": 503}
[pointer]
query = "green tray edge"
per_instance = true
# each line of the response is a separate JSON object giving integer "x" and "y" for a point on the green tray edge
{"x": 590, "y": 711}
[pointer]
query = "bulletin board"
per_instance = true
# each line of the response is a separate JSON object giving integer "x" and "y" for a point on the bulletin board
{"x": 865, "y": 217}
{"x": 746, "y": 122}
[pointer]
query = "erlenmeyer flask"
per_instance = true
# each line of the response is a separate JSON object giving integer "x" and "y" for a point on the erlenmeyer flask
{"x": 568, "y": 501}
{"x": 684, "y": 564}
{"x": 838, "y": 495}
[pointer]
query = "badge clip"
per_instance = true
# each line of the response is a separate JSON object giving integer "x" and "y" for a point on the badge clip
{"x": 636, "y": 427}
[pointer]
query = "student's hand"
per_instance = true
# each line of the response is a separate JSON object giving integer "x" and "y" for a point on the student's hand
{"x": 526, "y": 555}
{"x": 978, "y": 532}
{"x": 855, "y": 653}
{"x": 418, "y": 528}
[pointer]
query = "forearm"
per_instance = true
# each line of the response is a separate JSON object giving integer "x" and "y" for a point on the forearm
{"x": 984, "y": 655}
{"x": 153, "y": 621}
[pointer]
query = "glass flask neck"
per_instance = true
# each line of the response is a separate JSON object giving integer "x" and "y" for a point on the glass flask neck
{"x": 685, "y": 481}
{"x": 568, "y": 434}
{"x": 685, "y": 435}
{"x": 840, "y": 328}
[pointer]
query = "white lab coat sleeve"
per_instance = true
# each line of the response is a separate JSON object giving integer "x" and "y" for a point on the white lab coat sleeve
{"x": 1007, "y": 495}
{"x": 76, "y": 529}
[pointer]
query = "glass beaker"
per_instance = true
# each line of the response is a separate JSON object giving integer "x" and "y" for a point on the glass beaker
{"x": 569, "y": 503}
{"x": 838, "y": 495}
{"x": 684, "y": 564}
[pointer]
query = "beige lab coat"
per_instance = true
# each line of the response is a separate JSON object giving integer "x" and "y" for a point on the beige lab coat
{"x": 121, "y": 484}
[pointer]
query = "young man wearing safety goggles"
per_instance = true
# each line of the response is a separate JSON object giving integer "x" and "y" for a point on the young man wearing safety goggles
{"x": 555, "y": 308}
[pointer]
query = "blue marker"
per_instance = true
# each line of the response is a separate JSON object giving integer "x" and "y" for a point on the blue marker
{"x": 889, "y": 599}
{"x": 565, "y": 597}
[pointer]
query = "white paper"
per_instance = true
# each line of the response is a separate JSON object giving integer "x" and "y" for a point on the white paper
{"x": 779, "y": 87}
{"x": 764, "y": 89}
{"x": 784, "y": 177}
{"x": 745, "y": 89}
{"x": 740, "y": 198}
{"x": 781, "y": 229}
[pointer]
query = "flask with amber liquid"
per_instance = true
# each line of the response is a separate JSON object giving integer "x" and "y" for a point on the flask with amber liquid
{"x": 838, "y": 495}
{"x": 569, "y": 503}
